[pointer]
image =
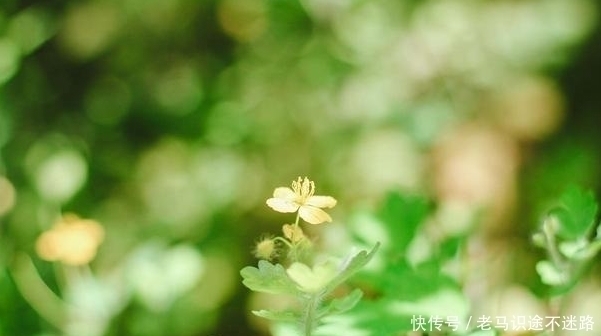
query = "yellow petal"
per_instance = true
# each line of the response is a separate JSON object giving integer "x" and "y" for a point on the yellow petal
{"x": 285, "y": 193}
{"x": 282, "y": 205}
{"x": 313, "y": 215}
{"x": 46, "y": 246}
{"x": 321, "y": 201}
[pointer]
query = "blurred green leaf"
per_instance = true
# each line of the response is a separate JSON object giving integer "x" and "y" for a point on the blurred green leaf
{"x": 402, "y": 214}
{"x": 268, "y": 278}
{"x": 351, "y": 266}
{"x": 283, "y": 316}
{"x": 379, "y": 319}
{"x": 450, "y": 247}
{"x": 343, "y": 304}
{"x": 405, "y": 282}
{"x": 576, "y": 213}
{"x": 407, "y": 290}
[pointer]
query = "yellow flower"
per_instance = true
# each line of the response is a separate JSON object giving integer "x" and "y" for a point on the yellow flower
{"x": 72, "y": 241}
{"x": 300, "y": 198}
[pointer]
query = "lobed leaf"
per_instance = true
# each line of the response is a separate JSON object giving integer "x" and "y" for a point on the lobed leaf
{"x": 353, "y": 265}
{"x": 343, "y": 304}
{"x": 268, "y": 278}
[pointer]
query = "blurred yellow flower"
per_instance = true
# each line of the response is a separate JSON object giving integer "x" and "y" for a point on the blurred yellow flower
{"x": 300, "y": 198}
{"x": 71, "y": 240}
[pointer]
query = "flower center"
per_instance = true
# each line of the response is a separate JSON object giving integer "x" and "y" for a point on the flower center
{"x": 303, "y": 189}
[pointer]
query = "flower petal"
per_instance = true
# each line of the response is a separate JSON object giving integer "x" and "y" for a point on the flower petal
{"x": 282, "y": 205}
{"x": 313, "y": 215}
{"x": 321, "y": 201}
{"x": 284, "y": 192}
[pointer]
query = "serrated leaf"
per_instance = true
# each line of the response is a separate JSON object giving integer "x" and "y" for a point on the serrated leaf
{"x": 268, "y": 278}
{"x": 343, "y": 304}
{"x": 576, "y": 213}
{"x": 350, "y": 267}
{"x": 282, "y": 316}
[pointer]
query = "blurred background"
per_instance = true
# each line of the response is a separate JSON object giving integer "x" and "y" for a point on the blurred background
{"x": 169, "y": 123}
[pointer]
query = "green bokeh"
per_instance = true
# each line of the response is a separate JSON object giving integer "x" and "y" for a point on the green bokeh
{"x": 171, "y": 121}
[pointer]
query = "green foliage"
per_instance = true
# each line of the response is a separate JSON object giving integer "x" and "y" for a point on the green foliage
{"x": 399, "y": 289}
{"x": 282, "y": 316}
{"x": 567, "y": 235}
{"x": 341, "y": 304}
{"x": 268, "y": 278}
{"x": 274, "y": 279}
{"x": 576, "y": 213}
{"x": 402, "y": 215}
{"x": 349, "y": 267}
{"x": 166, "y": 120}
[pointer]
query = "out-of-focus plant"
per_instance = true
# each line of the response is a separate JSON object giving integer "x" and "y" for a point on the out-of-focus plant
{"x": 571, "y": 236}
{"x": 416, "y": 276}
{"x": 299, "y": 272}
{"x": 72, "y": 244}
{"x": 159, "y": 119}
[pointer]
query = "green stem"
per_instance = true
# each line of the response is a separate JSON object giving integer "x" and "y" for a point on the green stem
{"x": 36, "y": 292}
{"x": 286, "y": 242}
{"x": 297, "y": 219}
{"x": 293, "y": 251}
{"x": 310, "y": 317}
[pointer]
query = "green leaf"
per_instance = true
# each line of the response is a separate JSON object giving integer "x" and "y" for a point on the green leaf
{"x": 343, "y": 304}
{"x": 402, "y": 215}
{"x": 449, "y": 248}
{"x": 576, "y": 213}
{"x": 268, "y": 278}
{"x": 377, "y": 318}
{"x": 283, "y": 316}
{"x": 311, "y": 280}
{"x": 351, "y": 266}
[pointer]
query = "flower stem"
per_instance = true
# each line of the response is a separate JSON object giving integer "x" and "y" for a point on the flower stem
{"x": 309, "y": 319}
{"x": 297, "y": 219}
{"x": 285, "y": 241}
{"x": 35, "y": 291}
